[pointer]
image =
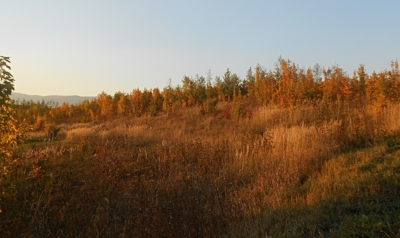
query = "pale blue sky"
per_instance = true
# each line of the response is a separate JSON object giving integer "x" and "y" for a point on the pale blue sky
{"x": 86, "y": 47}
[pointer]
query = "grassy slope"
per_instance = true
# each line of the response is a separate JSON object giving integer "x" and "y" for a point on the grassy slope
{"x": 107, "y": 185}
{"x": 356, "y": 194}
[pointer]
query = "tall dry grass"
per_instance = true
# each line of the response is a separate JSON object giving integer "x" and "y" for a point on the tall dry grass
{"x": 189, "y": 174}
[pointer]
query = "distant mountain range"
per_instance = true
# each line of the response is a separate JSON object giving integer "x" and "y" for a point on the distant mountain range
{"x": 55, "y": 98}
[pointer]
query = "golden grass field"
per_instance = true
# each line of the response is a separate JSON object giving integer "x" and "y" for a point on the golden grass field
{"x": 303, "y": 172}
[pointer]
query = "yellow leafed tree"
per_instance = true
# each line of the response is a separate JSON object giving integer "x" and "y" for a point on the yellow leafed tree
{"x": 11, "y": 132}
{"x": 8, "y": 129}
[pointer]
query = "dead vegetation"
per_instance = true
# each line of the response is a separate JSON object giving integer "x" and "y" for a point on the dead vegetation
{"x": 281, "y": 172}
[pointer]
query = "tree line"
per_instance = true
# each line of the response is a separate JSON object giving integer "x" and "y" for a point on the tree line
{"x": 286, "y": 86}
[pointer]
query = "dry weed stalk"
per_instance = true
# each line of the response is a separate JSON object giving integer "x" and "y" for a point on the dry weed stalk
{"x": 199, "y": 177}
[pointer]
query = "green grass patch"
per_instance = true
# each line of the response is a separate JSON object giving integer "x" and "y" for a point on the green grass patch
{"x": 354, "y": 195}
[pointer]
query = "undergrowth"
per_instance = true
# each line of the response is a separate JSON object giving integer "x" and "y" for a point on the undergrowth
{"x": 193, "y": 175}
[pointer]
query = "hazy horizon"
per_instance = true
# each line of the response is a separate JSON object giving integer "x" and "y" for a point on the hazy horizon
{"x": 58, "y": 95}
{"x": 59, "y": 99}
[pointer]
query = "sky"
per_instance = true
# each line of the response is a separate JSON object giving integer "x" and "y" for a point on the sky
{"x": 86, "y": 47}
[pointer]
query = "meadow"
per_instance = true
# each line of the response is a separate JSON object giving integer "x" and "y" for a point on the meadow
{"x": 277, "y": 172}
{"x": 289, "y": 152}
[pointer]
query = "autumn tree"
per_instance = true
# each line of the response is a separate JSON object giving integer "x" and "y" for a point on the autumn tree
{"x": 287, "y": 84}
{"x": 147, "y": 96}
{"x": 331, "y": 85}
{"x": 156, "y": 102}
{"x": 136, "y": 102}
{"x": 360, "y": 83}
{"x": 248, "y": 84}
{"x": 346, "y": 91}
{"x": 211, "y": 92}
{"x": 12, "y": 132}
{"x": 168, "y": 99}
{"x": 8, "y": 129}
{"x": 189, "y": 90}
{"x": 311, "y": 87}
{"x": 106, "y": 104}
{"x": 259, "y": 91}
{"x": 371, "y": 87}
{"x": 121, "y": 104}
{"x": 395, "y": 81}
{"x": 230, "y": 84}
{"x": 219, "y": 90}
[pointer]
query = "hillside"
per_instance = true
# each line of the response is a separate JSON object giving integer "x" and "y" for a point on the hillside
{"x": 281, "y": 154}
{"x": 74, "y": 99}
{"x": 279, "y": 173}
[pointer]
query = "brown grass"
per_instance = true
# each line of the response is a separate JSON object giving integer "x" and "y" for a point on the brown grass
{"x": 194, "y": 175}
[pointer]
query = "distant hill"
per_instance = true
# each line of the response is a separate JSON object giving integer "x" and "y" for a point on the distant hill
{"x": 55, "y": 98}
